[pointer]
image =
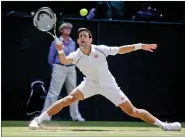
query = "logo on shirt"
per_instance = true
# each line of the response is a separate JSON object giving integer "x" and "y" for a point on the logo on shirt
{"x": 95, "y": 56}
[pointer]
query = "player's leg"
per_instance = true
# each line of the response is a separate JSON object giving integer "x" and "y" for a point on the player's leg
{"x": 75, "y": 95}
{"x": 116, "y": 96}
{"x": 83, "y": 91}
{"x": 70, "y": 84}
{"x": 57, "y": 80}
{"x": 144, "y": 115}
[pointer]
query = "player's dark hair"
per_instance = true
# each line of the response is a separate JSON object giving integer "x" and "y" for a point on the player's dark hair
{"x": 84, "y": 29}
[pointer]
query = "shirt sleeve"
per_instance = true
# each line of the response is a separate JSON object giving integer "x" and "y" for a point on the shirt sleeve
{"x": 73, "y": 55}
{"x": 108, "y": 50}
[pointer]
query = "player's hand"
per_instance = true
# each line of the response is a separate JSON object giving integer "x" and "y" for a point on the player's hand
{"x": 149, "y": 47}
{"x": 59, "y": 46}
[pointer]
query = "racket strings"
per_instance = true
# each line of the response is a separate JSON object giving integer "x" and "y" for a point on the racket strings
{"x": 44, "y": 19}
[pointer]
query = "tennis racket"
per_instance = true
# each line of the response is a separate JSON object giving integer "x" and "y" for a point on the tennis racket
{"x": 45, "y": 20}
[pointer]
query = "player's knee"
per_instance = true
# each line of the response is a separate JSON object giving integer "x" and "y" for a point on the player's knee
{"x": 72, "y": 98}
{"x": 134, "y": 112}
{"x": 69, "y": 100}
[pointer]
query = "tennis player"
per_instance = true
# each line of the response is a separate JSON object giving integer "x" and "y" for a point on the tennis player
{"x": 91, "y": 60}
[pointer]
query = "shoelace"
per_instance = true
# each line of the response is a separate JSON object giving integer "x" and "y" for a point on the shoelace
{"x": 166, "y": 128}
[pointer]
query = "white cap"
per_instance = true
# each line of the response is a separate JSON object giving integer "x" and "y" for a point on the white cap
{"x": 65, "y": 24}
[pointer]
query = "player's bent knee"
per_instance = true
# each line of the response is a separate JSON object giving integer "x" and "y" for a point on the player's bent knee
{"x": 77, "y": 94}
{"x": 72, "y": 97}
{"x": 68, "y": 100}
{"x": 134, "y": 112}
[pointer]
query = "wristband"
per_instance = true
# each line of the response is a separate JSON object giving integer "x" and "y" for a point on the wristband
{"x": 138, "y": 46}
{"x": 60, "y": 52}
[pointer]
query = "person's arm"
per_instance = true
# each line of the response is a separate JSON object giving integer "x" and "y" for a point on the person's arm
{"x": 52, "y": 53}
{"x": 65, "y": 59}
{"x": 126, "y": 48}
{"x": 129, "y": 48}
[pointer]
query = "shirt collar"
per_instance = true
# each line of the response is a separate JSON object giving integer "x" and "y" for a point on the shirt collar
{"x": 92, "y": 50}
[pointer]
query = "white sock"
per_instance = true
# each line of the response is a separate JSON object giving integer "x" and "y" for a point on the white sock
{"x": 159, "y": 123}
{"x": 43, "y": 116}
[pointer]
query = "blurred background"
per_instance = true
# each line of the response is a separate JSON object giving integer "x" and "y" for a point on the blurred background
{"x": 154, "y": 81}
{"x": 171, "y": 11}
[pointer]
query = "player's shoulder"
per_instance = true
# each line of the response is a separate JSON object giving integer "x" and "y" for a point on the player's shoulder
{"x": 76, "y": 55}
{"x": 100, "y": 47}
{"x": 77, "y": 52}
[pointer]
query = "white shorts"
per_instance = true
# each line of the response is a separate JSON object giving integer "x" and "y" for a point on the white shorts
{"x": 114, "y": 94}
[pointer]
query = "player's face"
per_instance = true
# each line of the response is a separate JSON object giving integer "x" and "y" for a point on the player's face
{"x": 66, "y": 30}
{"x": 84, "y": 40}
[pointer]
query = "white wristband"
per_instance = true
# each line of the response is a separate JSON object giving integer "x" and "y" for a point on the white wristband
{"x": 60, "y": 52}
{"x": 138, "y": 46}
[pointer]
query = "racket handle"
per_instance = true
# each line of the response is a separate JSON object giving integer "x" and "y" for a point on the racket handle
{"x": 57, "y": 41}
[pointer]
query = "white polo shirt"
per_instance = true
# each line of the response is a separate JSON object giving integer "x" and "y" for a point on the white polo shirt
{"x": 95, "y": 66}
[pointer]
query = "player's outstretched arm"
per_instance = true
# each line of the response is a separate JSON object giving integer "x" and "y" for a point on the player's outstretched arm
{"x": 62, "y": 57}
{"x": 129, "y": 48}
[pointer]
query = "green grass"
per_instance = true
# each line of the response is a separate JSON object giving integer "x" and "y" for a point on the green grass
{"x": 87, "y": 129}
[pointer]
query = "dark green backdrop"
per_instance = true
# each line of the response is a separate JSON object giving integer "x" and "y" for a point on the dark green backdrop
{"x": 154, "y": 81}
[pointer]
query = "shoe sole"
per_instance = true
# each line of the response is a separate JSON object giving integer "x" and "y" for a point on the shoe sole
{"x": 33, "y": 128}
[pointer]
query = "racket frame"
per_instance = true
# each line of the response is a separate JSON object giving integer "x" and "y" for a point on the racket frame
{"x": 54, "y": 26}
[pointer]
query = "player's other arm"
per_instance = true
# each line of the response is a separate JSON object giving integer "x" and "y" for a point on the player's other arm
{"x": 126, "y": 48}
{"x": 129, "y": 48}
{"x": 63, "y": 59}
